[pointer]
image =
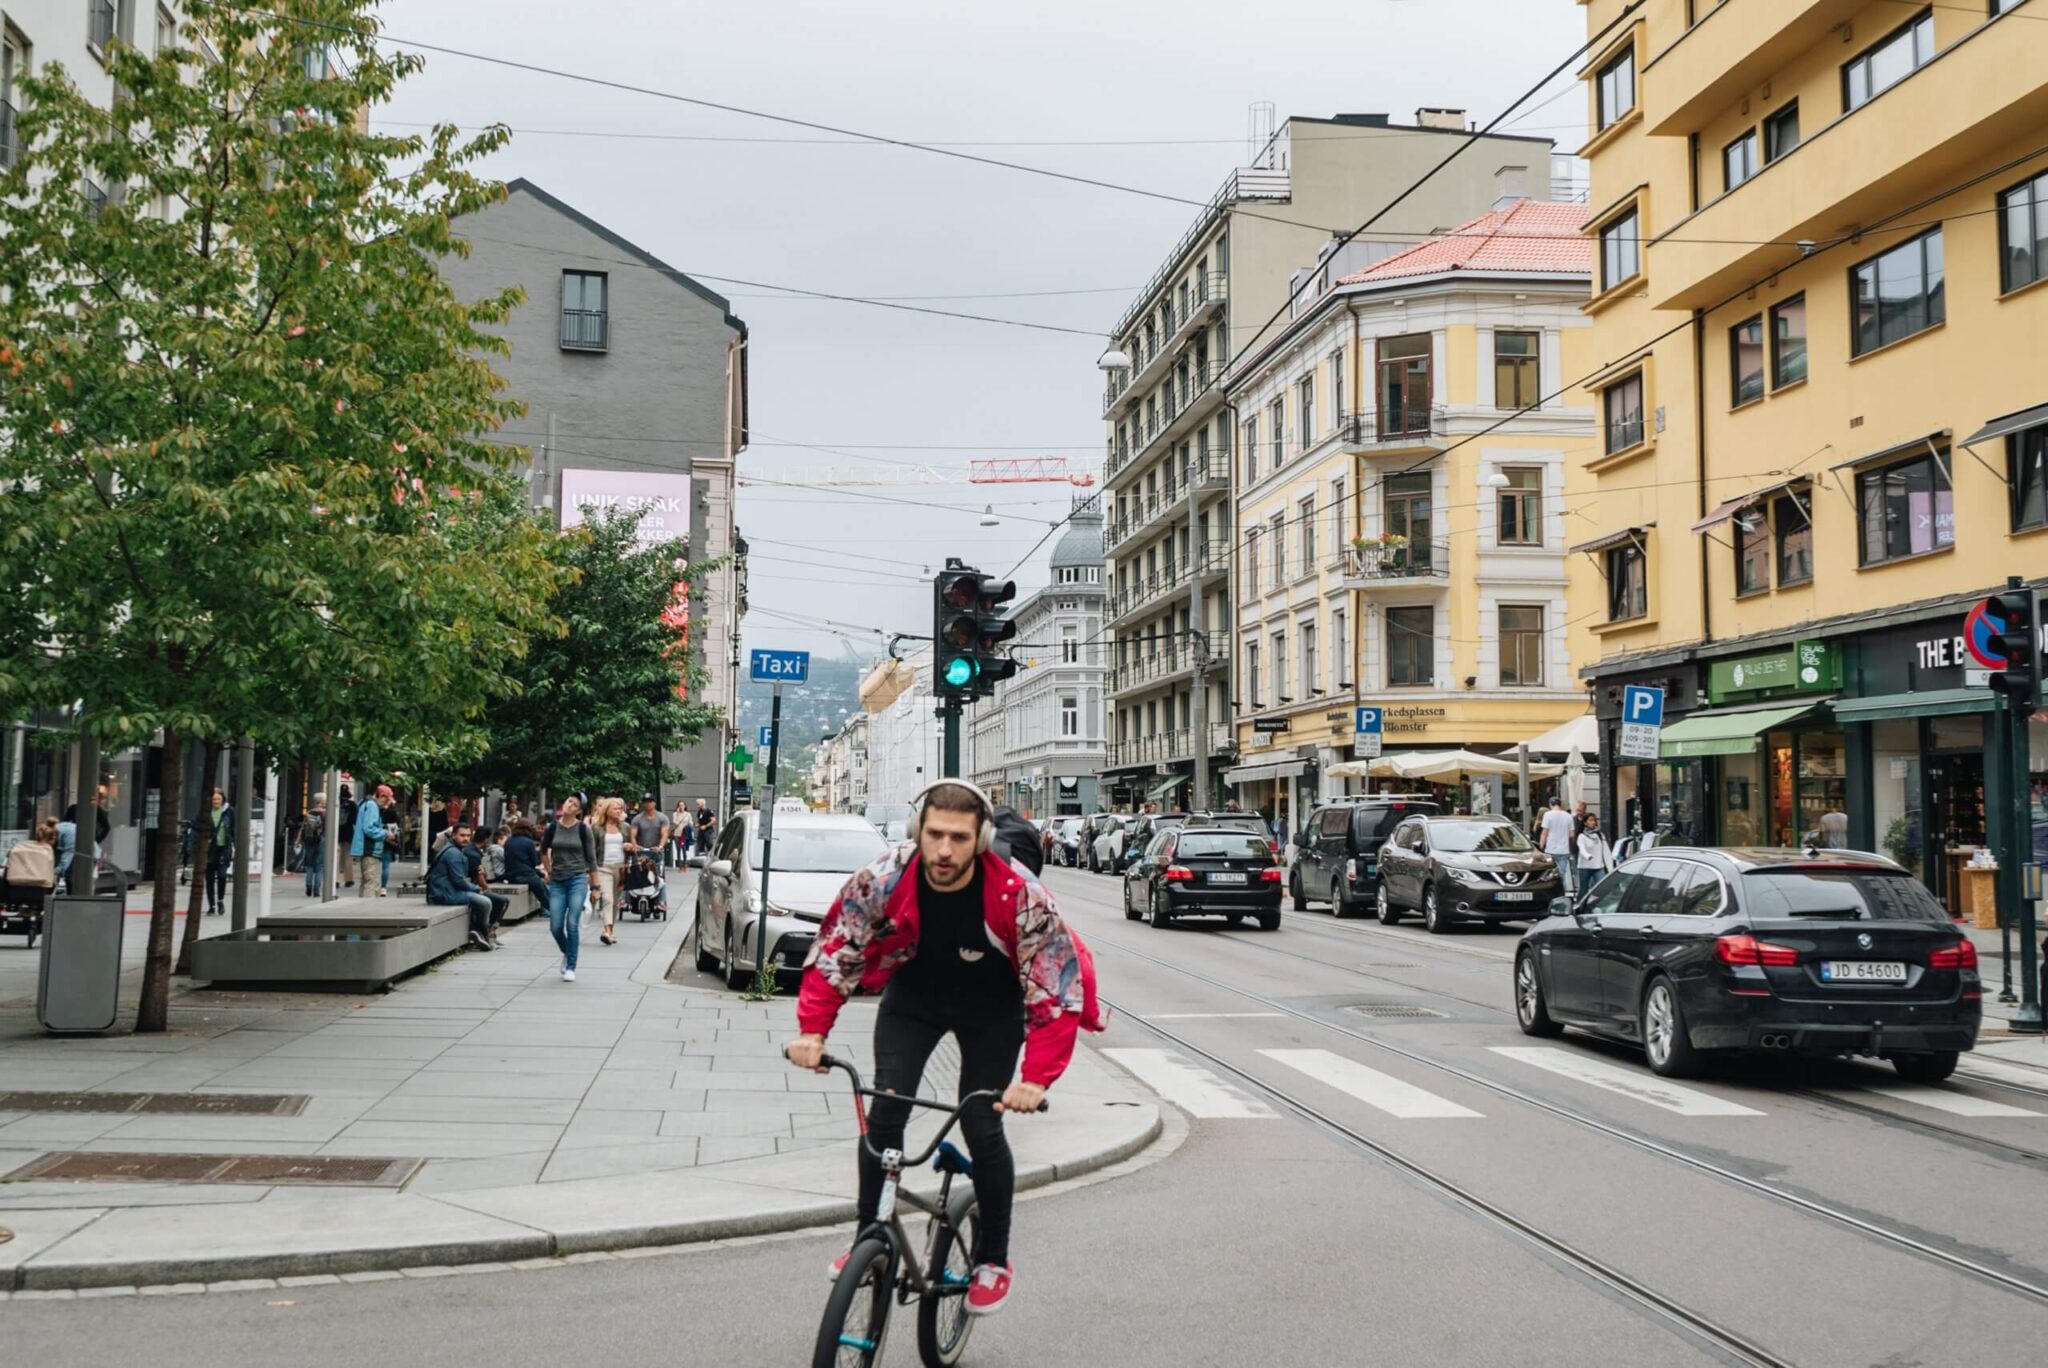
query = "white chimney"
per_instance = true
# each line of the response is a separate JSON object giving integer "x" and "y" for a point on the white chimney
{"x": 1510, "y": 183}
{"x": 1452, "y": 119}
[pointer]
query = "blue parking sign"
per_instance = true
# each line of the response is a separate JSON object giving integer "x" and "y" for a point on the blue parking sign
{"x": 767, "y": 740}
{"x": 1642, "y": 722}
{"x": 779, "y": 667}
{"x": 1367, "y": 728}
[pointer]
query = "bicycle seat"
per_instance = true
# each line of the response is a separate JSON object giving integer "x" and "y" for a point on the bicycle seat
{"x": 951, "y": 1160}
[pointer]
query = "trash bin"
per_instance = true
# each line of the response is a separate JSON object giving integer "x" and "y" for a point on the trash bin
{"x": 78, "y": 988}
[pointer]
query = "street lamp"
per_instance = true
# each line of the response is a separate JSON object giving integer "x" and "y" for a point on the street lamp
{"x": 1113, "y": 359}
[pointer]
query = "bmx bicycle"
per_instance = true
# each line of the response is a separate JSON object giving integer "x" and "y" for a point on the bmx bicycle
{"x": 885, "y": 1263}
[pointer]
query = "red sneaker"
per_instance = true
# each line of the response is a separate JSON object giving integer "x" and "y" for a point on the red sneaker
{"x": 839, "y": 1264}
{"x": 988, "y": 1290}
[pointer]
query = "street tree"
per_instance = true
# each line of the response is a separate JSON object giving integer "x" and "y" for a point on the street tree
{"x": 243, "y": 420}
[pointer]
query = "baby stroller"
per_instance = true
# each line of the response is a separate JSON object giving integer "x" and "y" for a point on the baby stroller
{"x": 645, "y": 892}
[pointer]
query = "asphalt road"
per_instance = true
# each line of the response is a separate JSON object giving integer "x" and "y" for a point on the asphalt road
{"x": 1354, "y": 1187}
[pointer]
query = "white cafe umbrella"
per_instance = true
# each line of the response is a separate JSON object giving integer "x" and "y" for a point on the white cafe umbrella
{"x": 1574, "y": 778}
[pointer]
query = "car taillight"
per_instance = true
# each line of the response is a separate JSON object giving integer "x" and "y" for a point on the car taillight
{"x": 1750, "y": 950}
{"x": 1270, "y": 874}
{"x": 1179, "y": 874}
{"x": 1961, "y": 955}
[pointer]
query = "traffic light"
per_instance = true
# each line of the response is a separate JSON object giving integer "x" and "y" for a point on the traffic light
{"x": 968, "y": 632}
{"x": 2018, "y": 640}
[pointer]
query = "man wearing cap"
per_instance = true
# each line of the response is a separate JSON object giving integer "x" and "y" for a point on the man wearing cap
{"x": 366, "y": 847}
{"x": 959, "y": 940}
{"x": 647, "y": 833}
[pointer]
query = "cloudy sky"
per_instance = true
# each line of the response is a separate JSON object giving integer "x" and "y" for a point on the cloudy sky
{"x": 1153, "y": 96}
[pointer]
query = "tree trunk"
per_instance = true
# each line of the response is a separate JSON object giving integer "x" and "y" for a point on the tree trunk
{"x": 154, "y": 1013}
{"x": 202, "y": 856}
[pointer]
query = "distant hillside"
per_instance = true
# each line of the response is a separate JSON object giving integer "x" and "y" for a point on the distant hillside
{"x": 809, "y": 711}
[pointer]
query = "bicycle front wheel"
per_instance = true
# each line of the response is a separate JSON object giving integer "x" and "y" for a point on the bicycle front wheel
{"x": 857, "y": 1313}
{"x": 942, "y": 1320}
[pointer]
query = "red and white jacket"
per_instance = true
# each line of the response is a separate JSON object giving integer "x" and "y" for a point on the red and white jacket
{"x": 871, "y": 931}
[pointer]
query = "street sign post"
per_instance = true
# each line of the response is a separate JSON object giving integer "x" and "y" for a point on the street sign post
{"x": 777, "y": 668}
{"x": 1642, "y": 722}
{"x": 1367, "y": 731}
{"x": 767, "y": 738}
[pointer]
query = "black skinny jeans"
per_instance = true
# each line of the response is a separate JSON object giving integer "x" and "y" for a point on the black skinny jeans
{"x": 908, "y": 1028}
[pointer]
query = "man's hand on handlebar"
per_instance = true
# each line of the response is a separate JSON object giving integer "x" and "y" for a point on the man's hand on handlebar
{"x": 1021, "y": 1097}
{"x": 807, "y": 1052}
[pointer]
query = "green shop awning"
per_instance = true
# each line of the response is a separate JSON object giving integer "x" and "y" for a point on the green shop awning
{"x": 1164, "y": 787}
{"x": 1724, "y": 733}
{"x": 1928, "y": 703}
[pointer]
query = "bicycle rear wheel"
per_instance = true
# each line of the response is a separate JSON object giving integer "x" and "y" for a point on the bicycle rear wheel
{"x": 942, "y": 1320}
{"x": 856, "y": 1320}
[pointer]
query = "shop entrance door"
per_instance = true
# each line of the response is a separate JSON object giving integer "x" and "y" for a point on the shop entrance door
{"x": 1955, "y": 818}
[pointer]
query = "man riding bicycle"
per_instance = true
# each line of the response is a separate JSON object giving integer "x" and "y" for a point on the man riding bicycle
{"x": 962, "y": 940}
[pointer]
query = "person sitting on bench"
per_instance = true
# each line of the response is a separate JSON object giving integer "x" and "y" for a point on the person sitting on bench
{"x": 449, "y": 885}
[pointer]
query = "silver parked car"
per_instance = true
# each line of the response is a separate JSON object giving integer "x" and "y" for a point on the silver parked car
{"x": 814, "y": 854}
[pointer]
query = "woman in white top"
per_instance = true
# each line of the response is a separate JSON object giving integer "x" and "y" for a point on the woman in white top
{"x": 610, "y": 826}
{"x": 1596, "y": 861}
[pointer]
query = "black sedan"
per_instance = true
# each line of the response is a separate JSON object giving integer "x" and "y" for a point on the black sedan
{"x": 1454, "y": 869}
{"x": 1689, "y": 951}
{"x": 1198, "y": 872}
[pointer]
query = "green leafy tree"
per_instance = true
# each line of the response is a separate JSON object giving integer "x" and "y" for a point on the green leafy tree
{"x": 597, "y": 704}
{"x": 242, "y": 459}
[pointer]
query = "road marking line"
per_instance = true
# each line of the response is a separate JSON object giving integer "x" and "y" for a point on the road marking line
{"x": 2000, "y": 1071}
{"x": 1195, "y": 1091}
{"x": 1210, "y": 1016}
{"x": 1370, "y": 1086}
{"x": 1941, "y": 1099}
{"x": 1629, "y": 1083}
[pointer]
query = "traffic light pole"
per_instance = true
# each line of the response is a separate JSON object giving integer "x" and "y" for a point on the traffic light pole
{"x": 2020, "y": 610}
{"x": 949, "y": 717}
{"x": 767, "y": 836}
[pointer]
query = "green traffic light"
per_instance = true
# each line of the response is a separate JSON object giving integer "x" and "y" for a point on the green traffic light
{"x": 959, "y": 671}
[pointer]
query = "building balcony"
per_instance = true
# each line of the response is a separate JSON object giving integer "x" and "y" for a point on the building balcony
{"x": 1167, "y": 747}
{"x": 1731, "y": 51}
{"x": 1372, "y": 566}
{"x": 1182, "y": 408}
{"x": 1143, "y": 591}
{"x": 1962, "y": 112}
{"x": 1152, "y": 661}
{"x": 1393, "y": 432}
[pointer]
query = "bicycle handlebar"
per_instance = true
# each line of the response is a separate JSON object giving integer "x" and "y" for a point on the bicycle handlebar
{"x": 953, "y": 1110}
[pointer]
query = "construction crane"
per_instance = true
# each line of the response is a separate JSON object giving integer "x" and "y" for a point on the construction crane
{"x": 989, "y": 471}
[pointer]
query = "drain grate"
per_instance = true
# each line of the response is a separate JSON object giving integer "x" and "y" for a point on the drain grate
{"x": 157, "y": 1104}
{"x": 85, "y": 1166}
{"x": 1395, "y": 1011}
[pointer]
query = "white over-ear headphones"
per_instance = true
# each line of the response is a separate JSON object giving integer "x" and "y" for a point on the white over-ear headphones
{"x": 986, "y": 839}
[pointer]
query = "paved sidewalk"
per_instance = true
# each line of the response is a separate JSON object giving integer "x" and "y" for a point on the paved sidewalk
{"x": 553, "y": 1118}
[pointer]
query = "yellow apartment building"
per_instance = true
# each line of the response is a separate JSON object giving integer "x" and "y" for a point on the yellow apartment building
{"x": 1820, "y": 230}
{"x": 1411, "y": 465}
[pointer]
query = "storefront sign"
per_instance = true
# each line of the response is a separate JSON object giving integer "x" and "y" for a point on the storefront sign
{"x": 1410, "y": 717}
{"x": 1806, "y": 666}
{"x": 1268, "y": 726}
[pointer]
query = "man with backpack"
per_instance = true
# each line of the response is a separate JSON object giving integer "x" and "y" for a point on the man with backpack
{"x": 313, "y": 843}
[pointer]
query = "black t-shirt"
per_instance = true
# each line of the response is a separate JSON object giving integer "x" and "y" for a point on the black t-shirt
{"x": 957, "y": 965}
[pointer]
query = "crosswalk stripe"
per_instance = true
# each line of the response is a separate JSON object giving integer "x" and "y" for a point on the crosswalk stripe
{"x": 1628, "y": 1082}
{"x": 1941, "y": 1099}
{"x": 1195, "y": 1091}
{"x": 1370, "y": 1086}
{"x": 2000, "y": 1071}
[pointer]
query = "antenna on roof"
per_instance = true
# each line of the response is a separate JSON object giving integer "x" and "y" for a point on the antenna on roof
{"x": 1259, "y": 120}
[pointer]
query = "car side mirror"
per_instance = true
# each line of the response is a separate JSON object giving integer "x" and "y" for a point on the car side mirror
{"x": 1562, "y": 907}
{"x": 722, "y": 868}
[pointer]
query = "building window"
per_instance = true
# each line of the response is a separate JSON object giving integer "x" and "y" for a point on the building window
{"x": 1276, "y": 431}
{"x": 1411, "y": 647}
{"x": 1251, "y": 675}
{"x": 1305, "y": 411}
{"x": 1337, "y": 387}
{"x": 1622, "y": 405}
{"x": 1781, "y": 132}
{"x": 1311, "y": 674}
{"x": 1340, "y": 510}
{"x": 1904, "y": 509}
{"x": 1746, "y": 361}
{"x": 1738, "y": 160}
{"x": 1070, "y": 715}
{"x": 1521, "y": 646}
{"x": 1070, "y": 644}
{"x": 1628, "y": 582}
{"x": 1251, "y": 449}
{"x": 1788, "y": 342}
{"x": 1621, "y": 250}
{"x": 1404, "y": 390}
{"x": 1752, "y": 551}
{"x": 2026, "y": 458}
{"x": 102, "y": 24}
{"x": 1616, "y": 86}
{"x": 1280, "y": 694}
{"x": 1888, "y": 61}
{"x": 1408, "y": 515}
{"x": 1305, "y": 514}
{"x": 13, "y": 66}
{"x": 1898, "y": 293}
{"x": 586, "y": 322}
{"x": 1794, "y": 529}
{"x": 1340, "y": 647}
{"x": 1521, "y": 507}
{"x": 1276, "y": 529}
{"x": 1251, "y": 563}
{"x": 1517, "y": 370}
{"x": 2023, "y": 233}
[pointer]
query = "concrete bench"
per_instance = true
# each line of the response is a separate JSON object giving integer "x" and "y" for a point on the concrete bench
{"x": 358, "y": 944}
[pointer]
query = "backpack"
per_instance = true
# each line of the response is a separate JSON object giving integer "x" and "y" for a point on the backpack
{"x": 309, "y": 829}
{"x": 547, "y": 843}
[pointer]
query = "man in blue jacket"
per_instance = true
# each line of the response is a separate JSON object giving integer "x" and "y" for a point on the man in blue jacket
{"x": 366, "y": 846}
{"x": 449, "y": 885}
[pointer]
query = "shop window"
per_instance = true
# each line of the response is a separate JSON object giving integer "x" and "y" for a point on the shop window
{"x": 1621, "y": 405}
{"x": 1752, "y": 551}
{"x": 1904, "y": 509}
{"x": 1896, "y": 819}
{"x": 1628, "y": 583}
{"x": 1898, "y": 293}
{"x": 2026, "y": 456}
{"x": 1788, "y": 342}
{"x": 1521, "y": 646}
{"x": 2023, "y": 233}
{"x": 1411, "y": 647}
{"x": 1794, "y": 529}
{"x": 1746, "y": 361}
{"x": 1742, "y": 800}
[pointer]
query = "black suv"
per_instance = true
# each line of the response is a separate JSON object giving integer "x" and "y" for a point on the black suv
{"x": 1337, "y": 852}
{"x": 1144, "y": 827}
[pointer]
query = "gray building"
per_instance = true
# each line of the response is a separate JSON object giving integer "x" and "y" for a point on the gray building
{"x": 1038, "y": 744}
{"x": 627, "y": 365}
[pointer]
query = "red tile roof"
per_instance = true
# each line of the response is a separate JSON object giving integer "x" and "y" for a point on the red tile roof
{"x": 1528, "y": 237}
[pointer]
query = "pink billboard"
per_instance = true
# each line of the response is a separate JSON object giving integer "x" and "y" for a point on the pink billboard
{"x": 661, "y": 500}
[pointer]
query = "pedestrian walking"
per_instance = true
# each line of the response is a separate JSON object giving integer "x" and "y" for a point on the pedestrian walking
{"x": 1556, "y": 827}
{"x": 313, "y": 844}
{"x": 346, "y": 835}
{"x": 1596, "y": 860}
{"x": 394, "y": 835}
{"x": 707, "y": 830}
{"x": 568, "y": 854}
{"x": 222, "y": 858}
{"x": 366, "y": 847}
{"x": 679, "y": 834}
{"x": 649, "y": 831}
{"x": 612, "y": 836}
{"x": 449, "y": 884}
